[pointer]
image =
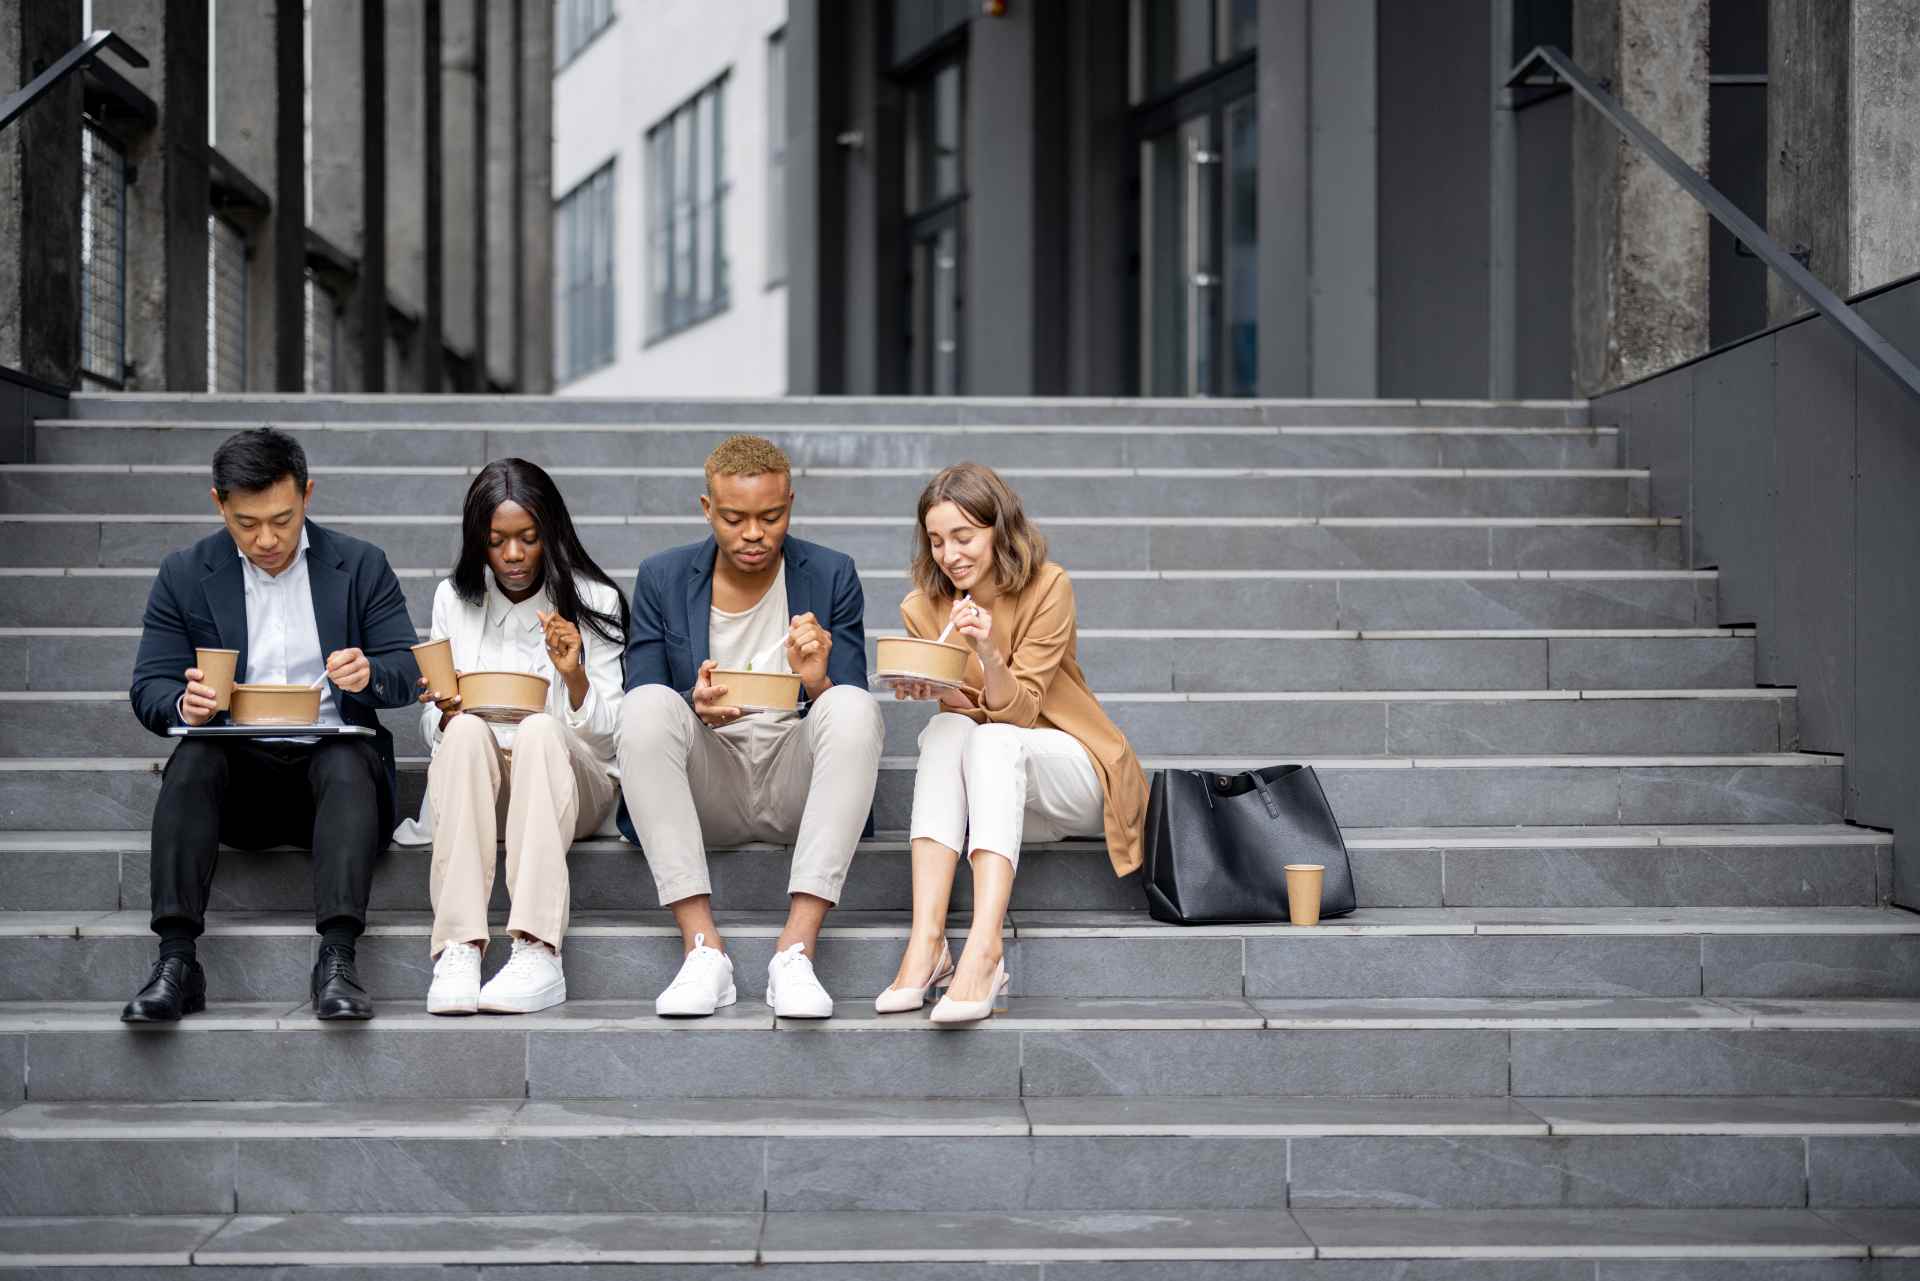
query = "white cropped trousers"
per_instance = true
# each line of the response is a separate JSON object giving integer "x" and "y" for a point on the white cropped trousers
{"x": 991, "y": 787}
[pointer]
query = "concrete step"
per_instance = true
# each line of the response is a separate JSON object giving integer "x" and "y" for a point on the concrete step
{"x": 856, "y": 491}
{"x": 117, "y": 793}
{"x": 1376, "y": 952}
{"x": 883, "y": 543}
{"x": 473, "y": 444}
{"x": 1355, "y": 1245}
{"x": 1195, "y": 660}
{"x": 1332, "y": 600}
{"x": 745, "y": 414}
{"x": 1618, "y": 866}
{"x": 1581, "y": 1051}
{"x": 1283, "y": 723}
{"x": 1011, "y": 1155}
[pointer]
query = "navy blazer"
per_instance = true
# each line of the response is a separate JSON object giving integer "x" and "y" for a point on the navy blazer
{"x": 199, "y": 600}
{"x": 672, "y": 608}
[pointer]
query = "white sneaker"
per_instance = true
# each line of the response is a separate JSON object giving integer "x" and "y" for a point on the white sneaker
{"x": 703, "y": 985}
{"x": 792, "y": 989}
{"x": 530, "y": 980}
{"x": 456, "y": 980}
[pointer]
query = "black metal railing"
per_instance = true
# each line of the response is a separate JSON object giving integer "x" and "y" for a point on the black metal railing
{"x": 1724, "y": 211}
{"x": 78, "y": 58}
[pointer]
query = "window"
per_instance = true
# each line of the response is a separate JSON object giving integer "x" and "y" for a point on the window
{"x": 936, "y": 201}
{"x": 686, "y": 214}
{"x": 323, "y": 321}
{"x": 777, "y": 158}
{"x": 583, "y": 278}
{"x": 226, "y": 306}
{"x": 1176, "y": 40}
{"x": 103, "y": 258}
{"x": 575, "y": 24}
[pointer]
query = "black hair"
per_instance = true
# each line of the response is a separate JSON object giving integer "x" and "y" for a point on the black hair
{"x": 564, "y": 560}
{"x": 253, "y": 460}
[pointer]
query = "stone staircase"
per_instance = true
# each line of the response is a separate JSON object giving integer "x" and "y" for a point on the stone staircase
{"x": 1623, "y": 987}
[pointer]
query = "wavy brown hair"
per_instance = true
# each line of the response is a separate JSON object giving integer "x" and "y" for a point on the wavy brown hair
{"x": 1019, "y": 550}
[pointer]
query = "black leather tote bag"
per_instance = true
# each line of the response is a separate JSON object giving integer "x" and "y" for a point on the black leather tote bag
{"x": 1217, "y": 845}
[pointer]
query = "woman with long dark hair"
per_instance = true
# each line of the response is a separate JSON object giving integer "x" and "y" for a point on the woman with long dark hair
{"x": 524, "y": 597}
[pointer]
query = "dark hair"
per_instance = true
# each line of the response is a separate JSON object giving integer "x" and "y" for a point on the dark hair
{"x": 563, "y": 561}
{"x": 254, "y": 460}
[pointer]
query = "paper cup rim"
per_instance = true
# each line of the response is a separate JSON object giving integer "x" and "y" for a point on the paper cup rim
{"x": 213, "y": 649}
{"x": 1304, "y": 867}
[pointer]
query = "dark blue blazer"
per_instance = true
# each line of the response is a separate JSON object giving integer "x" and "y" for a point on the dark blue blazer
{"x": 199, "y": 600}
{"x": 673, "y": 599}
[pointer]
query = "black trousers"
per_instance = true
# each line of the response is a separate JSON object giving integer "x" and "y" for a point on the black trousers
{"x": 252, "y": 795}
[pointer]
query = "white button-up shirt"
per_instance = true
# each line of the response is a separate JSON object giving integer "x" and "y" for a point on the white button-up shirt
{"x": 512, "y": 640}
{"x": 283, "y": 641}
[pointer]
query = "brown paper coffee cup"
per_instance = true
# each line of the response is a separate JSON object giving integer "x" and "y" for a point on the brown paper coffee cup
{"x": 1303, "y": 892}
{"x": 436, "y": 664}
{"x": 216, "y": 672}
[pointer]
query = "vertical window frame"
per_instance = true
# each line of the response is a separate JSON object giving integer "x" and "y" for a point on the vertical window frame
{"x": 586, "y": 315}
{"x": 687, "y": 189}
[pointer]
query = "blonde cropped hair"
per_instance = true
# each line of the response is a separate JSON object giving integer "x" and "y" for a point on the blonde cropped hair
{"x": 1019, "y": 550}
{"x": 746, "y": 456}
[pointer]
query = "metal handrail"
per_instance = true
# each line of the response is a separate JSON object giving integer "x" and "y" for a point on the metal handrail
{"x": 78, "y": 58}
{"x": 1765, "y": 247}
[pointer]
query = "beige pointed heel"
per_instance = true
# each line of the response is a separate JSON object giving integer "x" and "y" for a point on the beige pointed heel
{"x": 899, "y": 1000}
{"x": 952, "y": 1011}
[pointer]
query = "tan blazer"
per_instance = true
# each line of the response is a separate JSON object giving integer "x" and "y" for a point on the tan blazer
{"x": 1037, "y": 633}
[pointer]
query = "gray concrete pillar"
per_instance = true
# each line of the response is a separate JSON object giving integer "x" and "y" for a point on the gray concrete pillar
{"x": 1640, "y": 242}
{"x": 816, "y": 200}
{"x": 167, "y": 204}
{"x": 1843, "y": 116}
{"x": 1885, "y": 187}
{"x": 40, "y": 188}
{"x": 350, "y": 170}
{"x": 406, "y": 158}
{"x": 502, "y": 247}
{"x": 430, "y": 342}
{"x": 460, "y": 151}
{"x": 534, "y": 291}
{"x": 1343, "y": 190}
{"x": 1100, "y": 290}
{"x": 1003, "y": 142}
{"x": 1285, "y": 334}
{"x": 1808, "y": 52}
{"x": 259, "y": 125}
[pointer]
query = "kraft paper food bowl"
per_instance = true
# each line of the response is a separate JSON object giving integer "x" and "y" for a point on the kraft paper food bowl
{"x": 935, "y": 660}
{"x": 772, "y": 691}
{"x": 275, "y": 705}
{"x": 518, "y": 690}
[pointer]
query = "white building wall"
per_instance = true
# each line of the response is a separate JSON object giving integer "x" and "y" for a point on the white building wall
{"x": 654, "y": 56}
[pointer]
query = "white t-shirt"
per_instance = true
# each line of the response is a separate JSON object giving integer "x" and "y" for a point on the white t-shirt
{"x": 734, "y": 640}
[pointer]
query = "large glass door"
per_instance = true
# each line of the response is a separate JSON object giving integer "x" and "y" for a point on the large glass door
{"x": 936, "y": 205}
{"x": 1199, "y": 237}
{"x": 1196, "y": 127}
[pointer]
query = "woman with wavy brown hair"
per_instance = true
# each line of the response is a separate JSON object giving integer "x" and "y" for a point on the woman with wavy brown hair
{"x": 1023, "y": 753}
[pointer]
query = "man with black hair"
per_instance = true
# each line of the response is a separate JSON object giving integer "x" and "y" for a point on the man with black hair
{"x": 298, "y": 602}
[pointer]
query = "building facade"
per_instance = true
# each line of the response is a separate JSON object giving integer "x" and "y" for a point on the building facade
{"x": 1335, "y": 198}
{"x": 668, "y": 196}
{"x": 291, "y": 195}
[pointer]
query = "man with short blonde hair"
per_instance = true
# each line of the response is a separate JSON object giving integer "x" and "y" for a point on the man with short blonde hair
{"x": 696, "y": 768}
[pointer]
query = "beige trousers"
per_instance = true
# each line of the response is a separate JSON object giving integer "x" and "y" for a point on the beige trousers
{"x": 806, "y": 782}
{"x": 550, "y": 792}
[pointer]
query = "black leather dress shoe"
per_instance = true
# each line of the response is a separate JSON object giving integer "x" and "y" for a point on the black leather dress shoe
{"x": 177, "y": 986}
{"x": 337, "y": 993}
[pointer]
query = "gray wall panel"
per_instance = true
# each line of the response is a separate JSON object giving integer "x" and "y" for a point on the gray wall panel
{"x": 1435, "y": 196}
{"x": 1733, "y": 490}
{"x": 1814, "y": 575}
{"x": 1842, "y": 543}
{"x": 1543, "y": 252}
{"x": 1661, "y": 437}
{"x": 1886, "y": 762}
{"x": 1345, "y": 171}
{"x": 1285, "y": 361}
